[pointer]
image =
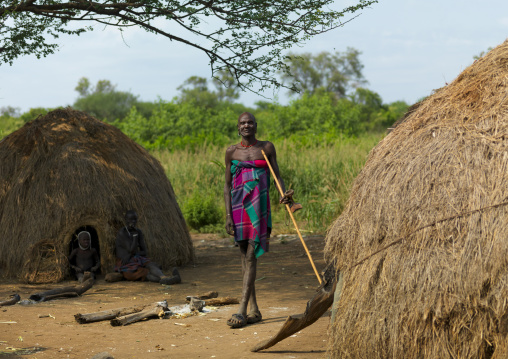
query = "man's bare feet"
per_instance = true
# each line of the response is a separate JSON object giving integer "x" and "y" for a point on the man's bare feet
{"x": 175, "y": 279}
{"x": 237, "y": 321}
{"x": 152, "y": 278}
{"x": 254, "y": 316}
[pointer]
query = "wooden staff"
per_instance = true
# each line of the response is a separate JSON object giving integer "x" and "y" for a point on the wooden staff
{"x": 292, "y": 217}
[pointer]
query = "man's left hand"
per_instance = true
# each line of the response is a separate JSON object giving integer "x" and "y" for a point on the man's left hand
{"x": 230, "y": 226}
{"x": 284, "y": 200}
{"x": 288, "y": 197}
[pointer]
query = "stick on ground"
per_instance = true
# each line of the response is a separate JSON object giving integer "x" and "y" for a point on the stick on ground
{"x": 208, "y": 295}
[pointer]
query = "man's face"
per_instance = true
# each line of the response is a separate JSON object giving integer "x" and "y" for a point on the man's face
{"x": 131, "y": 220}
{"x": 246, "y": 126}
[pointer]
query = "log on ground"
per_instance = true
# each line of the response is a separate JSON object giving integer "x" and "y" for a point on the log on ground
{"x": 108, "y": 314}
{"x": 14, "y": 299}
{"x": 156, "y": 311}
{"x": 62, "y": 292}
{"x": 221, "y": 301}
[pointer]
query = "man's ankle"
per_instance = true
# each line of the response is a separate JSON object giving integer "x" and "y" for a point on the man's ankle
{"x": 152, "y": 278}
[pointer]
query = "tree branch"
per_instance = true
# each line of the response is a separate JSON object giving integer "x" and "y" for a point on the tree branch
{"x": 245, "y": 28}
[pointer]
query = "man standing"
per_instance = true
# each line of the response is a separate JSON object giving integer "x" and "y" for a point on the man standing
{"x": 247, "y": 202}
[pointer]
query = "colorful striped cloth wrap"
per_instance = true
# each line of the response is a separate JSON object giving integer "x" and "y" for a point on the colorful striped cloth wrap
{"x": 251, "y": 203}
{"x": 134, "y": 263}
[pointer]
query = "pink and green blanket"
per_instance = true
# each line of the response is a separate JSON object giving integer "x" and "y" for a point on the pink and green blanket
{"x": 251, "y": 204}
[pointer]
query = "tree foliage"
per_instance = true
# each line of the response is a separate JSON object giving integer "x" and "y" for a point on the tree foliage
{"x": 9, "y": 111}
{"x": 177, "y": 125}
{"x": 33, "y": 113}
{"x": 105, "y": 102}
{"x": 226, "y": 86}
{"x": 339, "y": 72}
{"x": 312, "y": 118}
{"x": 195, "y": 89}
{"x": 246, "y": 38}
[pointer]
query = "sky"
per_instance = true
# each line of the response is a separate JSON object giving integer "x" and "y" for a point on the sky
{"x": 408, "y": 48}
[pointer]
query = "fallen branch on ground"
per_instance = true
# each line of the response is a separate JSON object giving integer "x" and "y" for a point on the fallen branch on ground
{"x": 208, "y": 295}
{"x": 125, "y": 315}
{"x": 64, "y": 292}
{"x": 107, "y": 314}
{"x": 210, "y": 299}
{"x": 14, "y": 299}
{"x": 221, "y": 301}
{"x": 156, "y": 311}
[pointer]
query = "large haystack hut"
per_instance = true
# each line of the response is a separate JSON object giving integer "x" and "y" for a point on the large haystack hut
{"x": 66, "y": 172}
{"x": 433, "y": 200}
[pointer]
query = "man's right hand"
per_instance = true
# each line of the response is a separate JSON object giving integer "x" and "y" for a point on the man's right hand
{"x": 229, "y": 226}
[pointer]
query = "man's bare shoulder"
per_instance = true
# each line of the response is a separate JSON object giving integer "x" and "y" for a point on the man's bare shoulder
{"x": 267, "y": 146}
{"x": 231, "y": 149}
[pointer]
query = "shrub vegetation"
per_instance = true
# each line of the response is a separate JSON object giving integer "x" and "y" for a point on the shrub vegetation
{"x": 322, "y": 140}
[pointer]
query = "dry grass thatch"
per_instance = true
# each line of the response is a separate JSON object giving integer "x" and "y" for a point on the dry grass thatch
{"x": 67, "y": 170}
{"x": 441, "y": 289}
{"x": 45, "y": 263}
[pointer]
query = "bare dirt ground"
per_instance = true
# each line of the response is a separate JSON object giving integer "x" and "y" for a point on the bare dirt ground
{"x": 285, "y": 282}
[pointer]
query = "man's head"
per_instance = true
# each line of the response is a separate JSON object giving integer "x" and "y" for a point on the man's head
{"x": 131, "y": 218}
{"x": 84, "y": 239}
{"x": 247, "y": 124}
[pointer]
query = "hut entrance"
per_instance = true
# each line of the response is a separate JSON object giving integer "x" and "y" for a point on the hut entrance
{"x": 94, "y": 239}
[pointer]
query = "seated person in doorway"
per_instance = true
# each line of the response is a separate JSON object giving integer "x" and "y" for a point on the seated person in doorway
{"x": 84, "y": 258}
{"x": 131, "y": 254}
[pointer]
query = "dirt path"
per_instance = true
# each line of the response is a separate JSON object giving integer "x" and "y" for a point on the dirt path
{"x": 285, "y": 283}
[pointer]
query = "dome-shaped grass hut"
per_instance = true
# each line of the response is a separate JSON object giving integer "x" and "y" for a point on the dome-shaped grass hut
{"x": 66, "y": 172}
{"x": 423, "y": 240}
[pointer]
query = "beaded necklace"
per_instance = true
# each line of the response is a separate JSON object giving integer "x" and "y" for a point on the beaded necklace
{"x": 248, "y": 145}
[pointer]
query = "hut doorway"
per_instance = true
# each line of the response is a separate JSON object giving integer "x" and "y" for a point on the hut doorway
{"x": 94, "y": 239}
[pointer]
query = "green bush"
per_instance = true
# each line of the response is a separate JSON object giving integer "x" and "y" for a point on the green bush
{"x": 8, "y": 125}
{"x": 201, "y": 212}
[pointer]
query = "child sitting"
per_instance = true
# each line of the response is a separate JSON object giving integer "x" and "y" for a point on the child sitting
{"x": 86, "y": 257}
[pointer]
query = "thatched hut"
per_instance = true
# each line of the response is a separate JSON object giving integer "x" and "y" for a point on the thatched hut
{"x": 66, "y": 172}
{"x": 432, "y": 201}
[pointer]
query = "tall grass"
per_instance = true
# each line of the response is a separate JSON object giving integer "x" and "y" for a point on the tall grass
{"x": 320, "y": 173}
{"x": 320, "y": 168}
